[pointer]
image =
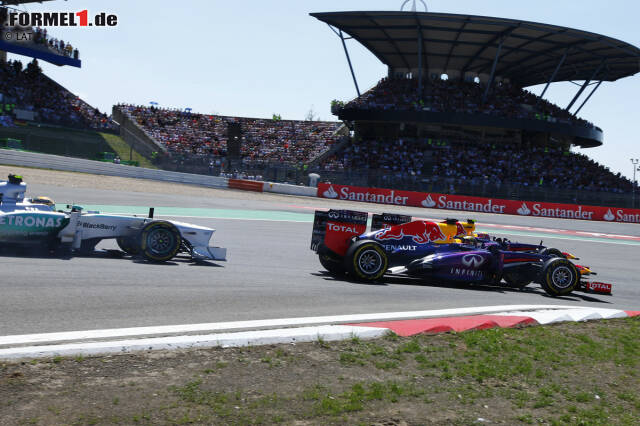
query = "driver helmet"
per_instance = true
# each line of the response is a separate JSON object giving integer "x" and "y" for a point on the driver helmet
{"x": 44, "y": 200}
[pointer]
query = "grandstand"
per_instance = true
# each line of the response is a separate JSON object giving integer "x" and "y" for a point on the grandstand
{"x": 192, "y": 141}
{"x": 37, "y": 113}
{"x": 453, "y": 114}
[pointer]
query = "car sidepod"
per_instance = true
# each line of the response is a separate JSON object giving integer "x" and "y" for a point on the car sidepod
{"x": 470, "y": 266}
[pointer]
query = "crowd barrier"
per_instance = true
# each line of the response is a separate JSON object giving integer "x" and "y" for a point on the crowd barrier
{"x": 56, "y": 162}
{"x": 283, "y": 188}
{"x": 477, "y": 204}
{"x": 246, "y": 185}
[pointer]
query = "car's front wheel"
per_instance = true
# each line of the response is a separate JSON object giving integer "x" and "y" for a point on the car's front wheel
{"x": 559, "y": 277}
{"x": 160, "y": 241}
{"x": 366, "y": 260}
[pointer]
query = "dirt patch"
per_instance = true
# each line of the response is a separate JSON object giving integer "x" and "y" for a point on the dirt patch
{"x": 584, "y": 373}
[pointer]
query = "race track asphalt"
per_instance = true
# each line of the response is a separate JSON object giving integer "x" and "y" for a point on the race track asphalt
{"x": 271, "y": 273}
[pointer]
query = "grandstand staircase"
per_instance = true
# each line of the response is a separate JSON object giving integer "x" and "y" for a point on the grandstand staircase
{"x": 342, "y": 142}
{"x": 135, "y": 136}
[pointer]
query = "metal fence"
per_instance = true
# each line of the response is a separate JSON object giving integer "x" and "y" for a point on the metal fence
{"x": 299, "y": 174}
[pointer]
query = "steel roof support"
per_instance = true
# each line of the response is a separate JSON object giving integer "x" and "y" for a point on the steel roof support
{"x": 584, "y": 86}
{"x": 553, "y": 76}
{"x": 420, "y": 42}
{"x": 346, "y": 52}
{"x": 588, "y": 97}
{"x": 493, "y": 71}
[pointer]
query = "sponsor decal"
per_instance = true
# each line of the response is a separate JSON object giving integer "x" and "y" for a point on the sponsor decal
{"x": 478, "y": 204}
{"x": 609, "y": 216}
{"x": 420, "y": 231}
{"x": 97, "y": 226}
{"x": 28, "y": 221}
{"x": 470, "y": 273}
{"x": 524, "y": 210}
{"x": 330, "y": 193}
{"x": 486, "y": 207}
{"x": 392, "y": 248}
{"x": 428, "y": 202}
{"x": 342, "y": 228}
{"x": 472, "y": 260}
{"x": 598, "y": 287}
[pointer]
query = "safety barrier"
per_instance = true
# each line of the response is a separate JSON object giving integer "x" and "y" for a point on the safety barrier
{"x": 246, "y": 185}
{"x": 56, "y": 162}
{"x": 282, "y": 188}
{"x": 478, "y": 204}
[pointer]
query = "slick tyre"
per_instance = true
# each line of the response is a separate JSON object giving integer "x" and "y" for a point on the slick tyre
{"x": 553, "y": 252}
{"x": 331, "y": 261}
{"x": 559, "y": 277}
{"x": 517, "y": 279}
{"x": 159, "y": 241}
{"x": 128, "y": 245}
{"x": 366, "y": 261}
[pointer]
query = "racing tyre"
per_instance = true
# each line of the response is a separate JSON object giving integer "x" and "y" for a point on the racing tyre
{"x": 517, "y": 279}
{"x": 160, "y": 241}
{"x": 366, "y": 260}
{"x": 552, "y": 252}
{"x": 559, "y": 277}
{"x": 128, "y": 245}
{"x": 331, "y": 261}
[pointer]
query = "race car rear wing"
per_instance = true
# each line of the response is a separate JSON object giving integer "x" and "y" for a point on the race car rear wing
{"x": 387, "y": 220}
{"x": 335, "y": 228}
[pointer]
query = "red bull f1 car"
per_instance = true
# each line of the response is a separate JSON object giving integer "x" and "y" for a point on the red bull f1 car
{"x": 448, "y": 251}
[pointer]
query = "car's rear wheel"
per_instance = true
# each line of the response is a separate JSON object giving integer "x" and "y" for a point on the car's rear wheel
{"x": 331, "y": 261}
{"x": 366, "y": 260}
{"x": 160, "y": 241}
{"x": 559, "y": 277}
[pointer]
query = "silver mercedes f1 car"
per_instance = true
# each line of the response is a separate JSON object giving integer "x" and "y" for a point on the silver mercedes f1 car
{"x": 36, "y": 222}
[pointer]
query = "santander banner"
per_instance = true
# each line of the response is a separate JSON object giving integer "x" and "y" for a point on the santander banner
{"x": 477, "y": 204}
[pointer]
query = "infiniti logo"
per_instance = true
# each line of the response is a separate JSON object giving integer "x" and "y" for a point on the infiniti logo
{"x": 472, "y": 260}
{"x": 334, "y": 215}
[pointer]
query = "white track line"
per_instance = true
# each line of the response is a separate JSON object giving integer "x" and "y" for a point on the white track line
{"x": 259, "y": 324}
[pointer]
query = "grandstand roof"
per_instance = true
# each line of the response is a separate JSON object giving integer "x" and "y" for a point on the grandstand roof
{"x": 17, "y": 2}
{"x": 529, "y": 55}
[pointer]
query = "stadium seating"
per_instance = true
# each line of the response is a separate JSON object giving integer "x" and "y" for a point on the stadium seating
{"x": 30, "y": 90}
{"x": 263, "y": 140}
{"x": 464, "y": 162}
{"x": 503, "y": 100}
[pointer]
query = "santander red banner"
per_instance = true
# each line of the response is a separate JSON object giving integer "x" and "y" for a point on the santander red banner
{"x": 477, "y": 204}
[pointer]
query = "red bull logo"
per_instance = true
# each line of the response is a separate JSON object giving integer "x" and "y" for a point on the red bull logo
{"x": 420, "y": 231}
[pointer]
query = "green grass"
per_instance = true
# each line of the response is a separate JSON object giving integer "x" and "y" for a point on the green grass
{"x": 121, "y": 148}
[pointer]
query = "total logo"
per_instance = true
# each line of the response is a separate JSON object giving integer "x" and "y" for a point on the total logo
{"x": 472, "y": 260}
{"x": 342, "y": 228}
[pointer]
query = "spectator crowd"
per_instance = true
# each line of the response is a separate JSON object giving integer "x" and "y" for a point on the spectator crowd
{"x": 29, "y": 89}
{"x": 262, "y": 140}
{"x": 465, "y": 97}
{"x": 463, "y": 162}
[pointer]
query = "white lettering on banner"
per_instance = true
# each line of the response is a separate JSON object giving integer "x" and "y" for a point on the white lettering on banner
{"x": 341, "y": 228}
{"x": 562, "y": 213}
{"x": 345, "y": 194}
{"x": 622, "y": 217}
{"x": 488, "y": 207}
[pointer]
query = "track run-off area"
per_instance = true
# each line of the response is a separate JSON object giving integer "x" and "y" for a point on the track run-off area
{"x": 271, "y": 272}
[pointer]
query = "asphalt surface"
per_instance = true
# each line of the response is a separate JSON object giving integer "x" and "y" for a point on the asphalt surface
{"x": 271, "y": 273}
